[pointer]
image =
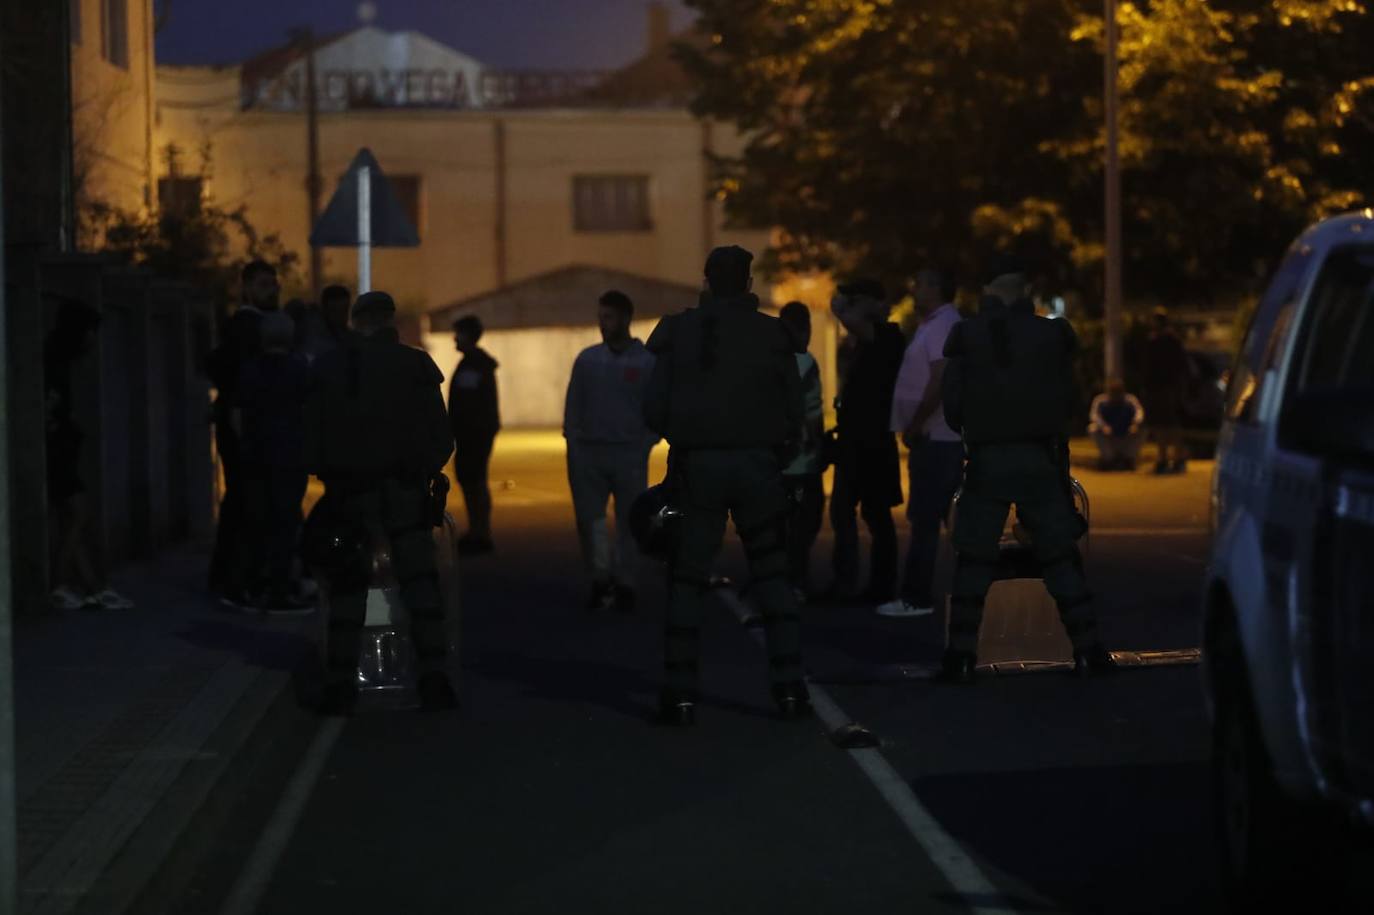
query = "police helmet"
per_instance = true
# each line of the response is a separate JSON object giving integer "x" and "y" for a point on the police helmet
{"x": 654, "y": 523}
{"x": 334, "y": 546}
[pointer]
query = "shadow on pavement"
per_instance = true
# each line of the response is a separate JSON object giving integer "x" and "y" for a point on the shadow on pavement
{"x": 1118, "y": 839}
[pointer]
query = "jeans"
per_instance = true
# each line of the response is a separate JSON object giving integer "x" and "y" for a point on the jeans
{"x": 936, "y": 469}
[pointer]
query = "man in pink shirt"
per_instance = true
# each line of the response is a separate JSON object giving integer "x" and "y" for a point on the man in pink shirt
{"x": 936, "y": 462}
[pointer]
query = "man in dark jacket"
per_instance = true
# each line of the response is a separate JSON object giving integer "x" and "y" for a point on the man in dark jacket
{"x": 475, "y": 416}
{"x": 1009, "y": 390}
{"x": 238, "y": 345}
{"x": 377, "y": 435}
{"x": 271, "y": 399}
{"x": 726, "y": 395}
{"x": 867, "y": 466}
{"x": 1166, "y": 387}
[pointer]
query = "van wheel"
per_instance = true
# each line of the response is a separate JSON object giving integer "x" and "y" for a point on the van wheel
{"x": 1272, "y": 849}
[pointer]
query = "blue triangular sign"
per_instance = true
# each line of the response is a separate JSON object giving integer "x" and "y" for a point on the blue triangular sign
{"x": 337, "y": 226}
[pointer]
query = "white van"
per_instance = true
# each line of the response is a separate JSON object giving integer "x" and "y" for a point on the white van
{"x": 1288, "y": 645}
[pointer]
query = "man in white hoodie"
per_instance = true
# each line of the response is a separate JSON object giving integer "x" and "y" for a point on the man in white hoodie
{"x": 608, "y": 449}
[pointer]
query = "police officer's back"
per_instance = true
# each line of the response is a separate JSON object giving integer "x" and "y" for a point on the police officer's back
{"x": 377, "y": 434}
{"x": 1009, "y": 390}
{"x": 726, "y": 395}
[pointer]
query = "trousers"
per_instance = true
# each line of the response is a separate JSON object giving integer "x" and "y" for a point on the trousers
{"x": 1028, "y": 476}
{"x": 395, "y": 512}
{"x": 598, "y": 472}
{"x": 935, "y": 470}
{"x": 711, "y": 487}
{"x": 471, "y": 465}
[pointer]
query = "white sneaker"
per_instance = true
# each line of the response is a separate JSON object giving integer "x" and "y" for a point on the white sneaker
{"x": 65, "y": 599}
{"x": 901, "y": 608}
{"x": 110, "y": 599}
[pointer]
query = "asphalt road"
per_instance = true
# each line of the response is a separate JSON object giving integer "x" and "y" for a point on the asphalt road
{"x": 549, "y": 791}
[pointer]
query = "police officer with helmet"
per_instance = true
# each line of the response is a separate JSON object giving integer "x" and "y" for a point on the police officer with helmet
{"x": 726, "y": 395}
{"x": 1009, "y": 389}
{"x": 377, "y": 434}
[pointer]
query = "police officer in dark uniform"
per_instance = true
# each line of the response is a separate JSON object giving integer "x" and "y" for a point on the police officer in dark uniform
{"x": 726, "y": 395}
{"x": 377, "y": 434}
{"x": 1009, "y": 388}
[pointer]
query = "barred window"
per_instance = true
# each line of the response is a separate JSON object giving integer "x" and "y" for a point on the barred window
{"x": 611, "y": 203}
{"x": 114, "y": 22}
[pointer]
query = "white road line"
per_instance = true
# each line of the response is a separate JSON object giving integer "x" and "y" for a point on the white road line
{"x": 942, "y": 849}
{"x": 252, "y": 883}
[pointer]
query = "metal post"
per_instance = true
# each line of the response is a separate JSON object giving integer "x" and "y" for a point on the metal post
{"x": 9, "y": 833}
{"x": 1111, "y": 303}
{"x": 313, "y": 182}
{"x": 364, "y": 230}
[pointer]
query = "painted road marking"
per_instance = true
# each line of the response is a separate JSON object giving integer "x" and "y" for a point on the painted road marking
{"x": 942, "y": 849}
{"x": 248, "y": 890}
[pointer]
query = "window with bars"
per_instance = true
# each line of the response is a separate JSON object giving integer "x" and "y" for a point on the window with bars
{"x": 114, "y": 22}
{"x": 611, "y": 203}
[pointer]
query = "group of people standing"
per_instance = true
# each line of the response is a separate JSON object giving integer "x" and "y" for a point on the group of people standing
{"x": 268, "y": 361}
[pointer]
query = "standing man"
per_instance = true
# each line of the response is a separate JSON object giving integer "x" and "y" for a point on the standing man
{"x": 325, "y": 328}
{"x": 1009, "y": 389}
{"x": 475, "y": 416}
{"x": 1166, "y": 387}
{"x": 726, "y": 396}
{"x": 867, "y": 466}
{"x": 377, "y": 435}
{"x": 608, "y": 449}
{"x": 238, "y": 345}
{"x": 935, "y": 464}
{"x": 804, "y": 475}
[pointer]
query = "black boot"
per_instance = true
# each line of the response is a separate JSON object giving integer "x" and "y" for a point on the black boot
{"x": 436, "y": 692}
{"x": 338, "y": 699}
{"x": 957, "y": 667}
{"x": 677, "y": 708}
{"x": 793, "y": 699}
{"x": 1093, "y": 661}
{"x": 623, "y": 598}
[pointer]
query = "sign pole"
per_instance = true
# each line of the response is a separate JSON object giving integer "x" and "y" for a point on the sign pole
{"x": 364, "y": 230}
{"x": 1111, "y": 310}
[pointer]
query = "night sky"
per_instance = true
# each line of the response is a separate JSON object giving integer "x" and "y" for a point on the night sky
{"x": 570, "y": 34}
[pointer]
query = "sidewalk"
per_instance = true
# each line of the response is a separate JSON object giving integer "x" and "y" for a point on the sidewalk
{"x": 128, "y": 721}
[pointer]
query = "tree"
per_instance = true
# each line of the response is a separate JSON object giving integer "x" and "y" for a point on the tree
{"x": 883, "y": 134}
{"x": 188, "y": 238}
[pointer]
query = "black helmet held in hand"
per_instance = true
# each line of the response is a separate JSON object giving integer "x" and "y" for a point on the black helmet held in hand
{"x": 655, "y": 523}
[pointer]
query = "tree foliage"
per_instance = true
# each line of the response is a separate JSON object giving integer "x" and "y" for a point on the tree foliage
{"x": 188, "y": 238}
{"x": 884, "y": 134}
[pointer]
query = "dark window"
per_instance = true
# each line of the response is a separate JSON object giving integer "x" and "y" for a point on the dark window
{"x": 1337, "y": 352}
{"x": 611, "y": 203}
{"x": 179, "y": 197}
{"x": 1264, "y": 342}
{"x": 408, "y": 190}
{"x": 74, "y": 20}
{"x": 114, "y": 22}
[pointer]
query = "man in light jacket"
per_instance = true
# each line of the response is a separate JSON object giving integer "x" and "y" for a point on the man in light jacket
{"x": 608, "y": 450}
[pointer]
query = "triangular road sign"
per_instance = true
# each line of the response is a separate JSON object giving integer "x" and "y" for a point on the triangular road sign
{"x": 337, "y": 226}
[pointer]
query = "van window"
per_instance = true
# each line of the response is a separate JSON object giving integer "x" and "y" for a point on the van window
{"x": 1264, "y": 341}
{"x": 1338, "y": 350}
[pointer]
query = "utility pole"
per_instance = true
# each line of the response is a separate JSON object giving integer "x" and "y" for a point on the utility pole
{"x": 314, "y": 184}
{"x": 1111, "y": 302}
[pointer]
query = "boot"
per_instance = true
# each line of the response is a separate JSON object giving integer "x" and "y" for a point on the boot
{"x": 958, "y": 667}
{"x": 793, "y": 699}
{"x": 676, "y": 708}
{"x": 1093, "y": 661}
{"x": 436, "y": 692}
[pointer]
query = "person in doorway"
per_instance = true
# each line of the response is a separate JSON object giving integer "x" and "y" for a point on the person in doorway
{"x": 475, "y": 417}
{"x": 1116, "y": 421}
{"x": 1166, "y": 386}
{"x": 271, "y": 423}
{"x": 608, "y": 450}
{"x": 936, "y": 460}
{"x": 239, "y": 344}
{"x": 76, "y": 583}
{"x": 803, "y": 476}
{"x": 867, "y": 466}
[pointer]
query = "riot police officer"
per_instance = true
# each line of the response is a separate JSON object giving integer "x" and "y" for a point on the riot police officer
{"x": 377, "y": 434}
{"x": 1009, "y": 390}
{"x": 726, "y": 395}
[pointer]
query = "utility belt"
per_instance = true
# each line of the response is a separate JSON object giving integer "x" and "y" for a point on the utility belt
{"x": 434, "y": 488}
